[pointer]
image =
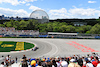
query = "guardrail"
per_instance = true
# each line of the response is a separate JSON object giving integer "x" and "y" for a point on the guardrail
{"x": 51, "y": 36}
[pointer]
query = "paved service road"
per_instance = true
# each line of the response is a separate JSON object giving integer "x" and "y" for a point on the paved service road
{"x": 56, "y": 47}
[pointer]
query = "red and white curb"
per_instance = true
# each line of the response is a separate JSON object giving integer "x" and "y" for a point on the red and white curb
{"x": 22, "y": 50}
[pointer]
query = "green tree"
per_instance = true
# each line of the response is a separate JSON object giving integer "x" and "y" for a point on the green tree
{"x": 55, "y": 26}
{"x": 83, "y": 29}
{"x": 16, "y": 24}
{"x": 86, "y": 28}
{"x": 49, "y": 27}
{"x": 9, "y": 24}
{"x": 87, "y": 32}
{"x": 62, "y": 28}
{"x": 43, "y": 27}
{"x": 70, "y": 28}
{"x": 22, "y": 24}
{"x": 32, "y": 24}
{"x": 79, "y": 29}
{"x": 2, "y": 25}
{"x": 95, "y": 29}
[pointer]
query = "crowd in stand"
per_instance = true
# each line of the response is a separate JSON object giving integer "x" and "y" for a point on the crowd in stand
{"x": 90, "y": 60}
{"x": 6, "y": 29}
{"x": 11, "y": 30}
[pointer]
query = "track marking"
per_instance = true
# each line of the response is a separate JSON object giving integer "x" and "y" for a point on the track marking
{"x": 53, "y": 47}
{"x": 81, "y": 47}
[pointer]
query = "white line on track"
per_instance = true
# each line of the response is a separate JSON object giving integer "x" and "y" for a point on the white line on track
{"x": 52, "y": 52}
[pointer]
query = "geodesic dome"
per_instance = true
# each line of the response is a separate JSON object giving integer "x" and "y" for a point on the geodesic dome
{"x": 40, "y": 15}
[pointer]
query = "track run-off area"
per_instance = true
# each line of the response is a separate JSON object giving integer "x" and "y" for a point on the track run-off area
{"x": 51, "y": 47}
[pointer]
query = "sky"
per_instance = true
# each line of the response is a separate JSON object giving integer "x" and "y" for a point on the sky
{"x": 56, "y": 9}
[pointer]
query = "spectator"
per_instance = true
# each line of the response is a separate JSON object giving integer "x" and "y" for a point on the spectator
{"x": 49, "y": 63}
{"x": 8, "y": 60}
{"x": 74, "y": 61}
{"x": 39, "y": 64}
{"x": 73, "y": 64}
{"x": 63, "y": 63}
{"x": 98, "y": 65}
{"x": 95, "y": 62}
{"x": 88, "y": 63}
{"x": 54, "y": 63}
{"x": 2, "y": 64}
{"x": 43, "y": 63}
{"x": 24, "y": 63}
{"x": 80, "y": 62}
{"x": 58, "y": 63}
{"x": 24, "y": 57}
{"x": 16, "y": 59}
{"x": 33, "y": 63}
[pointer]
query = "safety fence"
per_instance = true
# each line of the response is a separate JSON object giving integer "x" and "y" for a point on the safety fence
{"x": 50, "y": 36}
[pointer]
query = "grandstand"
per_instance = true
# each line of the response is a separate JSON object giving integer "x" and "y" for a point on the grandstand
{"x": 11, "y": 32}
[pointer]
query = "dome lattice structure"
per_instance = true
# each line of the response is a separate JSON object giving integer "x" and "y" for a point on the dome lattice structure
{"x": 40, "y": 15}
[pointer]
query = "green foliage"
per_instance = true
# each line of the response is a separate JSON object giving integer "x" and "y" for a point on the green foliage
{"x": 49, "y": 27}
{"x": 2, "y": 25}
{"x": 83, "y": 29}
{"x": 87, "y": 32}
{"x": 79, "y": 30}
{"x": 22, "y": 24}
{"x": 9, "y": 24}
{"x": 43, "y": 27}
{"x": 53, "y": 26}
{"x": 32, "y": 24}
{"x": 70, "y": 28}
{"x": 95, "y": 29}
{"x": 62, "y": 28}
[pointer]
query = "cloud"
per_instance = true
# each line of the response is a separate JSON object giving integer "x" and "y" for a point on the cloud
{"x": 62, "y": 10}
{"x": 30, "y": 0}
{"x": 74, "y": 13}
{"x": 61, "y": 13}
{"x": 35, "y": 8}
{"x": 16, "y": 2}
{"x": 23, "y": 2}
{"x": 14, "y": 13}
{"x": 13, "y": 2}
{"x": 84, "y": 12}
{"x": 91, "y": 1}
{"x": 28, "y": 4}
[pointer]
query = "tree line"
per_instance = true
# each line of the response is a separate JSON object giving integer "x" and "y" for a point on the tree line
{"x": 52, "y": 27}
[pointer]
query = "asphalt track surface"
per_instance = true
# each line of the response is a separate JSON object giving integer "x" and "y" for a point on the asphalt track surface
{"x": 56, "y": 47}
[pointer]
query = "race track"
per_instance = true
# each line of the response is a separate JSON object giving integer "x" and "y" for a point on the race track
{"x": 56, "y": 47}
